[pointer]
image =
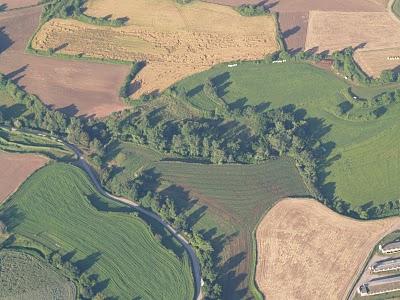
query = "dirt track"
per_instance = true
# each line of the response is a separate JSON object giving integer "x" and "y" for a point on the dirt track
{"x": 15, "y": 168}
{"x": 75, "y": 87}
{"x": 306, "y": 251}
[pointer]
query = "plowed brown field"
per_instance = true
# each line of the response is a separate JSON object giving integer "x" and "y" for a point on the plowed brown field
{"x": 175, "y": 40}
{"x": 76, "y": 87}
{"x": 15, "y": 168}
{"x": 306, "y": 251}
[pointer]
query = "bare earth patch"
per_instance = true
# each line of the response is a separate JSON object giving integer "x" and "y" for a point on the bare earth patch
{"x": 15, "y": 168}
{"x": 75, "y": 87}
{"x": 12, "y": 4}
{"x": 306, "y": 251}
{"x": 175, "y": 40}
{"x": 376, "y": 33}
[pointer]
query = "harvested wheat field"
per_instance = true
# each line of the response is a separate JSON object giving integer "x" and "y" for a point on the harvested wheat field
{"x": 307, "y": 251}
{"x": 374, "y": 61}
{"x": 15, "y": 168}
{"x": 75, "y": 87}
{"x": 175, "y": 40}
{"x": 375, "y": 34}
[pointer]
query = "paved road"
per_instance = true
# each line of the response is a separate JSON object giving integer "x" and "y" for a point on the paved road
{"x": 195, "y": 262}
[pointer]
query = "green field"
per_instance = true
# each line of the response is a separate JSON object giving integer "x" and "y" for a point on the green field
{"x": 361, "y": 164}
{"x": 396, "y": 8}
{"x": 24, "y": 142}
{"x": 225, "y": 202}
{"x": 60, "y": 209}
{"x": 23, "y": 276}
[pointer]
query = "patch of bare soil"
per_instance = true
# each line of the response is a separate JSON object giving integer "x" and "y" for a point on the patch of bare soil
{"x": 76, "y": 87}
{"x": 307, "y": 251}
{"x": 12, "y": 4}
{"x": 15, "y": 168}
{"x": 176, "y": 41}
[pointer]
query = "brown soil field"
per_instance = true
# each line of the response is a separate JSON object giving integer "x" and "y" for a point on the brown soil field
{"x": 307, "y": 251}
{"x": 15, "y": 168}
{"x": 76, "y": 87}
{"x": 12, "y": 4}
{"x": 376, "y": 33}
{"x": 176, "y": 41}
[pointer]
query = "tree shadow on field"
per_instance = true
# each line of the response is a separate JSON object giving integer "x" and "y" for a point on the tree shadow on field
{"x": 221, "y": 83}
{"x": 99, "y": 286}
{"x": 103, "y": 206}
{"x": 12, "y": 217}
{"x": 12, "y": 75}
{"x": 68, "y": 256}
{"x": 70, "y": 110}
{"x": 290, "y": 32}
{"x": 5, "y": 40}
{"x": 85, "y": 264}
{"x": 3, "y": 7}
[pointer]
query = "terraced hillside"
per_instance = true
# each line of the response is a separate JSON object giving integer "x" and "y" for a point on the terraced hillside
{"x": 59, "y": 209}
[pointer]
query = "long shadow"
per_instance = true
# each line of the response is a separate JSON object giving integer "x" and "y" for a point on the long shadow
{"x": 100, "y": 205}
{"x": 291, "y": 32}
{"x": 70, "y": 110}
{"x": 5, "y": 40}
{"x": 12, "y": 217}
{"x": 85, "y": 264}
{"x": 18, "y": 71}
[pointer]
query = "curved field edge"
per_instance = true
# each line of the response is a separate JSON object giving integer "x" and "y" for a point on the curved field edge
{"x": 92, "y": 252}
{"x": 297, "y": 230}
{"x": 36, "y": 278}
{"x": 199, "y": 192}
{"x": 318, "y": 95}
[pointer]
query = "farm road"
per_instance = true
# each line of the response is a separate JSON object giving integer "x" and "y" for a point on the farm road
{"x": 195, "y": 263}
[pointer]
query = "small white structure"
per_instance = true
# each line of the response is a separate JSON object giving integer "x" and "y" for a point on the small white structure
{"x": 390, "y": 248}
{"x": 232, "y": 65}
{"x": 279, "y": 61}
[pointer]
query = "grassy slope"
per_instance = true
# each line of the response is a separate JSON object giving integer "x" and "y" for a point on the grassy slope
{"x": 22, "y": 274}
{"x": 396, "y": 8}
{"x": 117, "y": 246}
{"x": 23, "y": 142}
{"x": 356, "y": 171}
{"x": 225, "y": 202}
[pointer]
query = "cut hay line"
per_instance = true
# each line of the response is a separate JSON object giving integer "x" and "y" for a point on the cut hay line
{"x": 175, "y": 40}
{"x": 319, "y": 252}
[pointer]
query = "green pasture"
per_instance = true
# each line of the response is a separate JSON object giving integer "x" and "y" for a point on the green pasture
{"x": 225, "y": 202}
{"x": 361, "y": 164}
{"x": 24, "y": 142}
{"x": 59, "y": 208}
{"x": 396, "y": 8}
{"x": 23, "y": 276}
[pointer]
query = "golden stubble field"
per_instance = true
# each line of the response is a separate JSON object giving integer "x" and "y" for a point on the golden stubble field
{"x": 175, "y": 40}
{"x": 376, "y": 34}
{"x": 307, "y": 251}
